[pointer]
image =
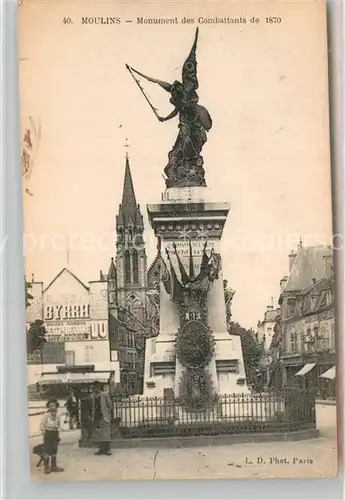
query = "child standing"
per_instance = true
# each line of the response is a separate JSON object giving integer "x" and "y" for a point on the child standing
{"x": 50, "y": 426}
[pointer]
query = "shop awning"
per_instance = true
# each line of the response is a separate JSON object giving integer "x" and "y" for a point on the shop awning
{"x": 305, "y": 369}
{"x": 87, "y": 378}
{"x": 53, "y": 379}
{"x": 329, "y": 374}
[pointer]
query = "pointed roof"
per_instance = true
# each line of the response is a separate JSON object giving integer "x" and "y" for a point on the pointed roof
{"x": 129, "y": 203}
{"x": 65, "y": 270}
{"x": 307, "y": 268}
{"x": 112, "y": 270}
{"x": 318, "y": 290}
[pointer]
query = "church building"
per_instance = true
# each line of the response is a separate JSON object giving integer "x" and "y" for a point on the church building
{"x": 132, "y": 314}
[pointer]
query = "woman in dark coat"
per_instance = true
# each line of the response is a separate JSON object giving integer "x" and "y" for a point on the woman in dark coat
{"x": 101, "y": 418}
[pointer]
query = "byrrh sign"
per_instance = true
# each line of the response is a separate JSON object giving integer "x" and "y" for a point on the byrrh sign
{"x": 71, "y": 323}
{"x": 65, "y": 312}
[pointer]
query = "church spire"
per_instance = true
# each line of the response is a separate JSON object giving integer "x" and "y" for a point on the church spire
{"x": 112, "y": 270}
{"x": 131, "y": 265}
{"x": 128, "y": 195}
{"x": 129, "y": 215}
{"x": 129, "y": 203}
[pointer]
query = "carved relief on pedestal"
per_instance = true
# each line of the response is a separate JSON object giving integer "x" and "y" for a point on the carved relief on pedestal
{"x": 188, "y": 287}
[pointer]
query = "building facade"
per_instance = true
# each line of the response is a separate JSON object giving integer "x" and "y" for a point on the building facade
{"x": 265, "y": 328}
{"x": 106, "y": 322}
{"x": 304, "y": 340}
{"x": 264, "y": 336}
{"x": 75, "y": 317}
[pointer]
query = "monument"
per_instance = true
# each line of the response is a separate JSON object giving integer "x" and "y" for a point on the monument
{"x": 193, "y": 355}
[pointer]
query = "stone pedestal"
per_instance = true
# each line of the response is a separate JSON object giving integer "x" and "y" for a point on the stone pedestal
{"x": 189, "y": 214}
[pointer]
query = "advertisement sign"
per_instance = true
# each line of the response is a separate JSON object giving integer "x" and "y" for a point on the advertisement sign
{"x": 75, "y": 331}
{"x": 67, "y": 331}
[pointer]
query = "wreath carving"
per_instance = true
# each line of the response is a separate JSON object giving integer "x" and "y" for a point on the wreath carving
{"x": 197, "y": 390}
{"x": 194, "y": 344}
{"x": 195, "y": 348}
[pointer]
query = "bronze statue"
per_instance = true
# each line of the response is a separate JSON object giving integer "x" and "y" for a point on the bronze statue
{"x": 185, "y": 166}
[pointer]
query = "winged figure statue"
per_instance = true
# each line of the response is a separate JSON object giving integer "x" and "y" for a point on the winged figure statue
{"x": 185, "y": 165}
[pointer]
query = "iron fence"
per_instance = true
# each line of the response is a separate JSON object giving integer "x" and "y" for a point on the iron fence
{"x": 140, "y": 417}
{"x": 287, "y": 411}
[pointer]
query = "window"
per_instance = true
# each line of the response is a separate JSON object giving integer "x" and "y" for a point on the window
{"x": 324, "y": 337}
{"x": 293, "y": 342}
{"x": 122, "y": 337}
{"x": 87, "y": 354}
{"x": 309, "y": 341}
{"x": 332, "y": 335}
{"x": 299, "y": 304}
{"x": 130, "y": 340}
{"x": 127, "y": 266}
{"x": 291, "y": 307}
{"x": 313, "y": 299}
{"x": 135, "y": 267}
{"x": 124, "y": 380}
{"x": 133, "y": 304}
{"x": 329, "y": 298}
{"x": 70, "y": 358}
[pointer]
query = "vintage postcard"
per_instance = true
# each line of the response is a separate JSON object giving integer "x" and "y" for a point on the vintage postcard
{"x": 180, "y": 318}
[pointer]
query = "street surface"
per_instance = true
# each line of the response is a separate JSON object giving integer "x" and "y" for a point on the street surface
{"x": 312, "y": 458}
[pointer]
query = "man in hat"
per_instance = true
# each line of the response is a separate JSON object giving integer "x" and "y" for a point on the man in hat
{"x": 101, "y": 418}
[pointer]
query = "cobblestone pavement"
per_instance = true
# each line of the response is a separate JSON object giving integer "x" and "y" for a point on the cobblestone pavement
{"x": 312, "y": 458}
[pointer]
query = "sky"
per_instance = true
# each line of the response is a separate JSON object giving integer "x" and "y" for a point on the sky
{"x": 267, "y": 154}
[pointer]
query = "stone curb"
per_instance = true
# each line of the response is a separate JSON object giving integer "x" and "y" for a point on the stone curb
{"x": 37, "y": 413}
{"x": 196, "y": 441}
{"x": 326, "y": 402}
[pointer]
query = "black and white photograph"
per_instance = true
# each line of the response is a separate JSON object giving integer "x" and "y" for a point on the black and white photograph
{"x": 178, "y": 244}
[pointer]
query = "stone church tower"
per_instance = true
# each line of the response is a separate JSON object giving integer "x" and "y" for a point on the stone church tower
{"x": 131, "y": 259}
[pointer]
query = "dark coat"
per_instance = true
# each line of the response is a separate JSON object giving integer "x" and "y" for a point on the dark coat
{"x": 106, "y": 407}
{"x": 103, "y": 426}
{"x": 72, "y": 404}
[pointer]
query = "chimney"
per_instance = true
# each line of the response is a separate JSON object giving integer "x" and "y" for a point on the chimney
{"x": 328, "y": 265}
{"x": 314, "y": 281}
{"x": 292, "y": 258}
{"x": 32, "y": 278}
{"x": 101, "y": 276}
{"x": 270, "y": 306}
